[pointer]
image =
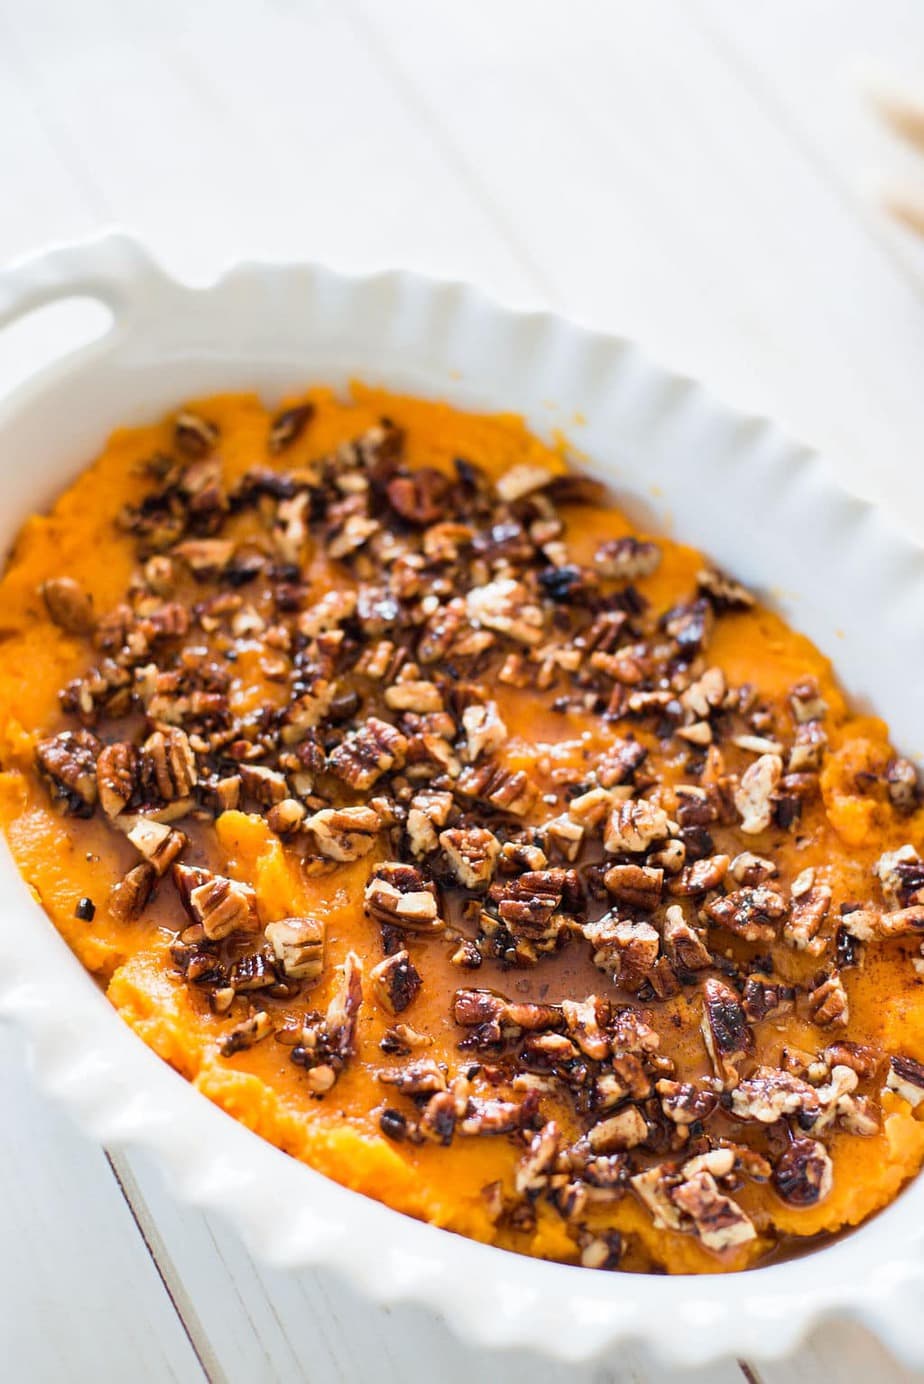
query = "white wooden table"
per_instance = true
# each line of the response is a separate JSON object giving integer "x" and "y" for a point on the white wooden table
{"x": 702, "y": 175}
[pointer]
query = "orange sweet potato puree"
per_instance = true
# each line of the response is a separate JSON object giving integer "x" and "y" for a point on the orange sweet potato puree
{"x": 65, "y": 859}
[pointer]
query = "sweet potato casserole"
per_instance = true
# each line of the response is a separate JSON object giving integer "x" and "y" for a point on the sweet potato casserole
{"x": 499, "y": 861}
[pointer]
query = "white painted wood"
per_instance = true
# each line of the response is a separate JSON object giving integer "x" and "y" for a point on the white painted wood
{"x": 696, "y": 175}
{"x": 80, "y": 1297}
{"x": 279, "y": 1328}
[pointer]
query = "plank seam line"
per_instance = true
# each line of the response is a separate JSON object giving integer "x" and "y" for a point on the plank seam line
{"x": 165, "y": 1269}
{"x": 419, "y": 106}
{"x": 752, "y": 79}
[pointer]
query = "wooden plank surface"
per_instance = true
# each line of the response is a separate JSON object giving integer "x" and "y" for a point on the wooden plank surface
{"x": 698, "y": 175}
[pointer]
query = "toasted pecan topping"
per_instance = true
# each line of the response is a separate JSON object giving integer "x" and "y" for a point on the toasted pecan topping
{"x": 399, "y": 895}
{"x": 298, "y": 944}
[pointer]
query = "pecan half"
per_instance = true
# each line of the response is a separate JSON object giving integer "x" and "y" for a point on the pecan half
{"x": 749, "y": 913}
{"x": 725, "y": 1028}
{"x": 116, "y": 776}
{"x": 753, "y": 798}
{"x": 69, "y": 605}
{"x": 472, "y": 854}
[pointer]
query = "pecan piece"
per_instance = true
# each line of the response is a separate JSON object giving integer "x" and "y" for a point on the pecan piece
{"x": 809, "y": 910}
{"x": 532, "y": 903}
{"x": 128, "y": 897}
{"x": 538, "y": 1162}
{"x": 68, "y": 764}
{"x": 220, "y": 905}
{"x": 684, "y": 1103}
{"x": 683, "y": 944}
{"x": 298, "y": 945}
{"x": 193, "y": 435}
{"x": 723, "y": 592}
{"x": 372, "y": 750}
{"x": 508, "y": 791}
{"x": 635, "y": 825}
{"x": 485, "y": 732}
{"x": 749, "y": 913}
{"x": 804, "y": 1174}
{"x": 396, "y": 982}
{"x": 288, "y": 426}
{"x": 827, "y": 1002}
{"x": 770, "y": 1093}
{"x": 116, "y": 776}
{"x": 626, "y": 950}
{"x": 399, "y": 895}
{"x": 906, "y": 1077}
{"x": 156, "y": 841}
{"x": 472, "y": 854}
{"x": 624, "y": 1130}
{"x": 725, "y": 1028}
{"x": 343, "y": 833}
{"x": 428, "y": 810}
{"x": 638, "y": 886}
{"x": 627, "y": 559}
{"x": 68, "y": 604}
{"x": 172, "y": 763}
{"x": 423, "y": 1077}
{"x": 584, "y": 1020}
{"x": 700, "y": 877}
{"x": 245, "y": 1034}
{"x": 902, "y": 784}
{"x": 753, "y": 798}
{"x": 717, "y": 1220}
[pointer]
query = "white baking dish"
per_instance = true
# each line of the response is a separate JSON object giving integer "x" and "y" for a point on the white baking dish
{"x": 760, "y": 505}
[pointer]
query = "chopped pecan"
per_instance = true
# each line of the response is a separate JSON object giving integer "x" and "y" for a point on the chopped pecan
{"x": 751, "y": 913}
{"x": 532, "y": 903}
{"x": 508, "y": 791}
{"x": 156, "y": 841}
{"x": 584, "y": 1021}
{"x": 414, "y": 695}
{"x": 172, "y": 763}
{"x": 635, "y": 825}
{"x": 809, "y": 910}
{"x": 396, "y": 982}
{"x": 625, "y": 949}
{"x": 538, "y": 1162}
{"x": 768, "y": 1094}
{"x": 624, "y": 1130}
{"x": 754, "y": 799}
{"x": 620, "y": 762}
{"x": 906, "y": 1078}
{"x": 422, "y": 1077}
{"x": 485, "y": 732}
{"x": 419, "y": 497}
{"x": 683, "y": 944}
{"x": 69, "y": 605}
{"x": 401, "y": 1039}
{"x": 193, "y": 435}
{"x": 116, "y": 776}
{"x": 725, "y": 1028}
{"x": 428, "y": 810}
{"x": 717, "y": 1220}
{"x": 808, "y": 748}
{"x": 751, "y": 869}
{"x": 902, "y": 783}
{"x": 804, "y": 1174}
{"x": 327, "y": 1043}
{"x": 685, "y": 1103}
{"x": 723, "y": 592}
{"x": 288, "y": 426}
{"x": 827, "y": 1002}
{"x": 298, "y": 945}
{"x": 638, "y": 886}
{"x": 245, "y": 1034}
{"x": 504, "y": 606}
{"x": 68, "y": 763}
{"x": 699, "y": 877}
{"x": 761, "y": 1000}
{"x": 523, "y": 479}
{"x": 627, "y": 559}
{"x": 128, "y": 897}
{"x": 220, "y": 905}
{"x": 372, "y": 750}
{"x": 343, "y": 833}
{"x": 491, "y": 1117}
{"x": 472, "y": 854}
{"x": 399, "y": 895}
{"x": 868, "y": 925}
{"x": 901, "y": 875}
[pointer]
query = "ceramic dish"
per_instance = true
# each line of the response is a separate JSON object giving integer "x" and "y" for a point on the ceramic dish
{"x": 761, "y": 506}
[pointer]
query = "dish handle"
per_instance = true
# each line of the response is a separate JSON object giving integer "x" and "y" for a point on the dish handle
{"x": 113, "y": 268}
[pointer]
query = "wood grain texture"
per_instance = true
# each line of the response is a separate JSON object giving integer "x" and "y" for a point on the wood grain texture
{"x": 80, "y": 1297}
{"x": 695, "y": 174}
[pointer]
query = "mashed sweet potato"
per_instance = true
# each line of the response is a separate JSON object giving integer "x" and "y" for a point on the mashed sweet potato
{"x": 613, "y": 958}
